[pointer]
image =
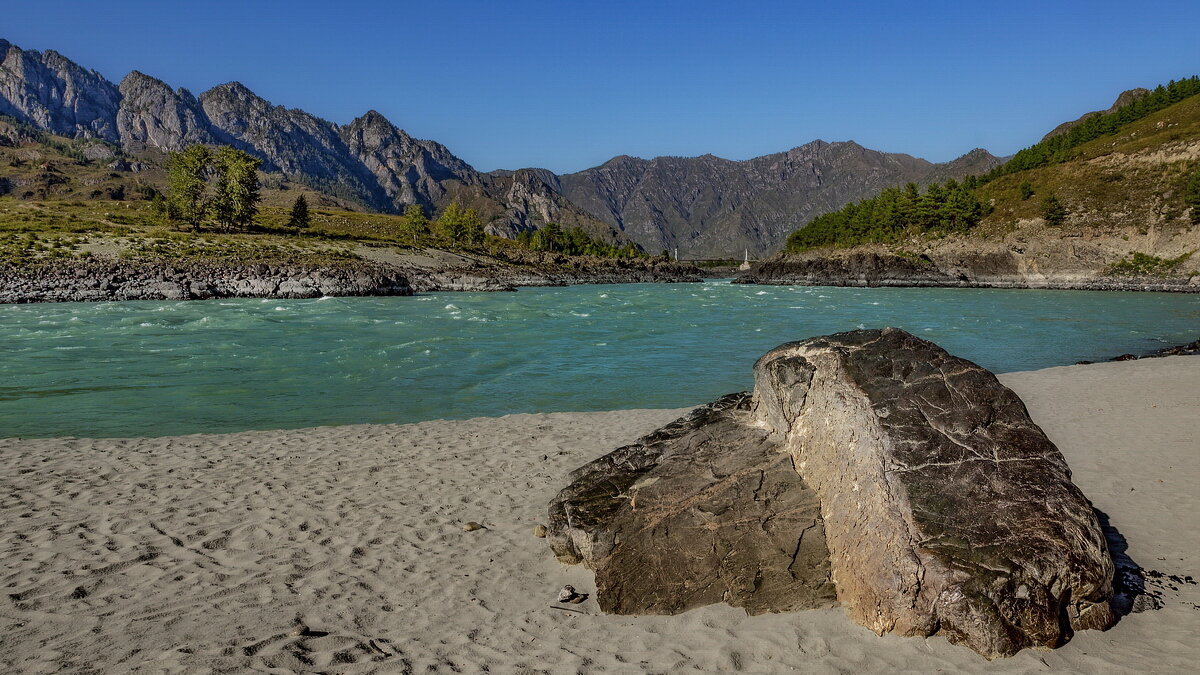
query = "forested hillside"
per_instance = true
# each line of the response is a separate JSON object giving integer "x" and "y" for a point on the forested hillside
{"x": 1071, "y": 178}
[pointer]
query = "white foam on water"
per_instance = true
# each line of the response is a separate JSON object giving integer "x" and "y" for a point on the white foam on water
{"x": 451, "y": 306}
{"x": 604, "y": 295}
{"x": 601, "y": 344}
{"x": 580, "y": 314}
{"x": 281, "y": 309}
{"x": 761, "y": 293}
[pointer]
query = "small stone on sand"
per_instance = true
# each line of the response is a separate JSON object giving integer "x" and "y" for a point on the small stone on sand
{"x": 540, "y": 531}
{"x": 471, "y": 526}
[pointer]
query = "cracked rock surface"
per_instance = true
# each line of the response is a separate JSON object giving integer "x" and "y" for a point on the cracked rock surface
{"x": 871, "y": 464}
{"x": 704, "y": 510}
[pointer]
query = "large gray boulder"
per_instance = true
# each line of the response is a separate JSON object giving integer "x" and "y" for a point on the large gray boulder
{"x": 946, "y": 508}
{"x": 943, "y": 508}
{"x": 704, "y": 510}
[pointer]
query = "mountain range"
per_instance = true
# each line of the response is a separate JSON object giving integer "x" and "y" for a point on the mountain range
{"x": 702, "y": 206}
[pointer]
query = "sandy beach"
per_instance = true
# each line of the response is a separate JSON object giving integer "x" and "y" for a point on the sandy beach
{"x": 341, "y": 549}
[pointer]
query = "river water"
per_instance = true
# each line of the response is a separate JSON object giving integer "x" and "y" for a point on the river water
{"x": 167, "y": 368}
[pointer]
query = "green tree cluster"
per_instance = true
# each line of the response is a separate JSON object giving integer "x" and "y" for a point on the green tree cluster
{"x": 416, "y": 223}
{"x": 459, "y": 226}
{"x": 945, "y": 207}
{"x": 573, "y": 241}
{"x": 220, "y": 186}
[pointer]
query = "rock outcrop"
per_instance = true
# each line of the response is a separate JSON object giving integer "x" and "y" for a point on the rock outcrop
{"x": 151, "y": 115}
{"x": 409, "y": 171}
{"x": 1052, "y": 265}
{"x": 943, "y": 508}
{"x": 704, "y": 510}
{"x": 77, "y": 279}
{"x": 113, "y": 280}
{"x": 53, "y": 93}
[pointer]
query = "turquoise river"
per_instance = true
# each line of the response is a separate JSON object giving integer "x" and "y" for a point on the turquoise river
{"x": 167, "y": 368}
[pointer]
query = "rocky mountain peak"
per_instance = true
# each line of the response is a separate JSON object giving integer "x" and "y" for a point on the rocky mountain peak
{"x": 50, "y": 91}
{"x": 373, "y": 118}
{"x": 151, "y": 115}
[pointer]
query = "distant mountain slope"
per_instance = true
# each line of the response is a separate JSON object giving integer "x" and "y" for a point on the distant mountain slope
{"x": 1128, "y": 218}
{"x": 49, "y": 91}
{"x": 704, "y": 206}
{"x": 370, "y": 161}
{"x": 708, "y": 206}
{"x": 1126, "y": 97}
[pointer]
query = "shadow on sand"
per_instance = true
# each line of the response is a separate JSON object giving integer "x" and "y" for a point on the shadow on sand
{"x": 1129, "y": 579}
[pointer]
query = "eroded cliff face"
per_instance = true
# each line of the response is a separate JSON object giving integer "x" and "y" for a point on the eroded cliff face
{"x": 1022, "y": 259}
{"x": 151, "y": 115}
{"x": 51, "y": 92}
{"x": 408, "y": 170}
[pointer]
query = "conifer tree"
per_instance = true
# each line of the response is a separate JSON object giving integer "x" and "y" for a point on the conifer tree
{"x": 299, "y": 218}
{"x": 1053, "y": 210}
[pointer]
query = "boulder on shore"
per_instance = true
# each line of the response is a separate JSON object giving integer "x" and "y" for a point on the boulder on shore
{"x": 704, "y": 510}
{"x": 912, "y": 479}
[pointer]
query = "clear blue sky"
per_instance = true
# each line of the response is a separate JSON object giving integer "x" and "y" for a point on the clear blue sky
{"x": 566, "y": 85}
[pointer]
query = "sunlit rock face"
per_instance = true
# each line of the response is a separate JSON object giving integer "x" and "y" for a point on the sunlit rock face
{"x": 872, "y": 466}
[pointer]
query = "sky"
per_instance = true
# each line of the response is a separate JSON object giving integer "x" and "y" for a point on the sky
{"x": 567, "y": 85}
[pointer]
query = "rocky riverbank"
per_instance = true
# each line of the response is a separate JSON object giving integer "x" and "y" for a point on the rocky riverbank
{"x": 105, "y": 279}
{"x": 974, "y": 269}
{"x": 76, "y": 280}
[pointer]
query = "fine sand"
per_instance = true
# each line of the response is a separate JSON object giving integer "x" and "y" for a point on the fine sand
{"x": 341, "y": 549}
